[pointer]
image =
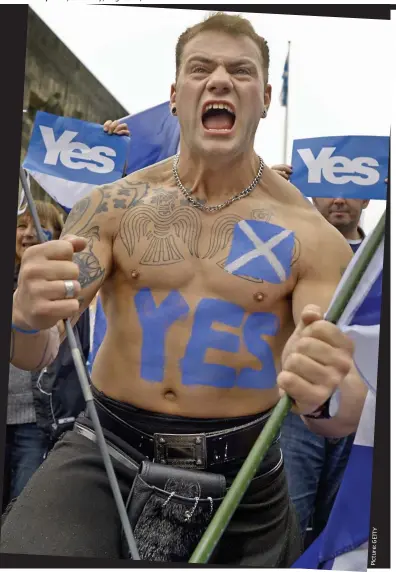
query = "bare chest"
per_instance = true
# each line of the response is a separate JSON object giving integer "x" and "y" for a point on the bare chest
{"x": 246, "y": 254}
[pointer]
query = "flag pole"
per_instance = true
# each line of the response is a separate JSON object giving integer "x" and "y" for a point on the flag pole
{"x": 285, "y": 101}
{"x": 241, "y": 483}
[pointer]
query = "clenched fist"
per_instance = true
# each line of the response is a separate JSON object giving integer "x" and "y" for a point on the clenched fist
{"x": 48, "y": 286}
{"x": 315, "y": 361}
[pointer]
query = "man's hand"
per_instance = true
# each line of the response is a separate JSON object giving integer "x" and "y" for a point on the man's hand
{"x": 284, "y": 171}
{"x": 116, "y": 128}
{"x": 315, "y": 361}
{"x": 40, "y": 299}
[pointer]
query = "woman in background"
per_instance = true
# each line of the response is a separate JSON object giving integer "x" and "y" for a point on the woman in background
{"x": 41, "y": 404}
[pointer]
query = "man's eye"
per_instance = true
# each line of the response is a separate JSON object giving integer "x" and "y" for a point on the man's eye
{"x": 242, "y": 71}
{"x": 198, "y": 69}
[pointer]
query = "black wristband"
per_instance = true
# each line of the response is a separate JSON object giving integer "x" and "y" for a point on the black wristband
{"x": 322, "y": 412}
{"x": 328, "y": 409}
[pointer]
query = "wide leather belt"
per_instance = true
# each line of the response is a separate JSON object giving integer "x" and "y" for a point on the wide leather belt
{"x": 189, "y": 451}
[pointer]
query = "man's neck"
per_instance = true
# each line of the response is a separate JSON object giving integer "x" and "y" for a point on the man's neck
{"x": 354, "y": 234}
{"x": 217, "y": 179}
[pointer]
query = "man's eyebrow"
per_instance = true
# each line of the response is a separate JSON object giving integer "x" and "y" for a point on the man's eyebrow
{"x": 232, "y": 63}
{"x": 203, "y": 59}
{"x": 242, "y": 62}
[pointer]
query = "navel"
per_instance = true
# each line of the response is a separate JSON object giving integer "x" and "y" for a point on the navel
{"x": 170, "y": 395}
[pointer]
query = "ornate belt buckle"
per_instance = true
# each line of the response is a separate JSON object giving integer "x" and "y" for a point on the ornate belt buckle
{"x": 184, "y": 451}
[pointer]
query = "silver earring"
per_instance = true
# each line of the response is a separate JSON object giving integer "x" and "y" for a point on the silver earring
{"x": 264, "y": 115}
{"x": 173, "y": 110}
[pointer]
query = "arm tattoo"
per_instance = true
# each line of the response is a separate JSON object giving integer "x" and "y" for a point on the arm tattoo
{"x": 87, "y": 261}
{"x": 120, "y": 195}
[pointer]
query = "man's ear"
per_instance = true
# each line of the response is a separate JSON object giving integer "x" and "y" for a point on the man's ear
{"x": 267, "y": 96}
{"x": 172, "y": 96}
{"x": 365, "y": 203}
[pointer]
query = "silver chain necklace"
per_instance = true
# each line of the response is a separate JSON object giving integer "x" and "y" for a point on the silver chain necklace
{"x": 214, "y": 208}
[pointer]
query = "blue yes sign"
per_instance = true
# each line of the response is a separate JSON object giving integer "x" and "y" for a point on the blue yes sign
{"x": 350, "y": 167}
{"x": 75, "y": 150}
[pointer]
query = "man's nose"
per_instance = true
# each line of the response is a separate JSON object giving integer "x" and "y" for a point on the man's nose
{"x": 339, "y": 201}
{"x": 220, "y": 81}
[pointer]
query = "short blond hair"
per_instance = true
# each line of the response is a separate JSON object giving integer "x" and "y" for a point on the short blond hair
{"x": 233, "y": 25}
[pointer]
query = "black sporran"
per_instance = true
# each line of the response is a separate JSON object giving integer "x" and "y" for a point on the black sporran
{"x": 169, "y": 510}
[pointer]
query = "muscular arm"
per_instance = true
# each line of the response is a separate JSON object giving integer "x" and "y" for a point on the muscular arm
{"x": 90, "y": 219}
{"x": 327, "y": 259}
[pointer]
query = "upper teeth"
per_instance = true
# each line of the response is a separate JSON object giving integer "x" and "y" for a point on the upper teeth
{"x": 218, "y": 106}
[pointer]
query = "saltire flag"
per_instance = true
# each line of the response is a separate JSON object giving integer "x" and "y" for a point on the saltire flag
{"x": 343, "y": 545}
{"x": 285, "y": 81}
{"x": 155, "y": 136}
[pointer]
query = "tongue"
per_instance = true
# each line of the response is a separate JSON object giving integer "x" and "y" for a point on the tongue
{"x": 218, "y": 121}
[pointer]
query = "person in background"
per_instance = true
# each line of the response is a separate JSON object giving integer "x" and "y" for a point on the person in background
{"x": 314, "y": 464}
{"x": 27, "y": 441}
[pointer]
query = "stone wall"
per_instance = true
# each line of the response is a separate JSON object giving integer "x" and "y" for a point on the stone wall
{"x": 57, "y": 82}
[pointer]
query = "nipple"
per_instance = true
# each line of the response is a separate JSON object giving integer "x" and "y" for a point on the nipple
{"x": 259, "y": 296}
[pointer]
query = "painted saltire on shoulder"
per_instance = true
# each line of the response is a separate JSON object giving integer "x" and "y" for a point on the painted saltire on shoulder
{"x": 261, "y": 250}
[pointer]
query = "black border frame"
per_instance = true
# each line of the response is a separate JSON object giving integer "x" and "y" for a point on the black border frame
{"x": 12, "y": 54}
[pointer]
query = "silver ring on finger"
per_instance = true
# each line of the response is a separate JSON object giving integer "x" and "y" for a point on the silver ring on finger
{"x": 69, "y": 289}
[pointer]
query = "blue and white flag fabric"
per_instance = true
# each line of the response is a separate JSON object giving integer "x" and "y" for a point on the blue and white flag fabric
{"x": 284, "y": 96}
{"x": 343, "y": 545}
{"x": 155, "y": 136}
{"x": 69, "y": 157}
{"x": 351, "y": 167}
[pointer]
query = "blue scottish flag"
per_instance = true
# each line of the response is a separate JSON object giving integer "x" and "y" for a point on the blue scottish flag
{"x": 261, "y": 250}
{"x": 353, "y": 167}
{"x": 155, "y": 136}
{"x": 69, "y": 157}
{"x": 284, "y": 96}
{"x": 343, "y": 545}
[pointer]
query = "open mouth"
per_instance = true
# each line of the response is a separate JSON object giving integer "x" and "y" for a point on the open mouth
{"x": 218, "y": 117}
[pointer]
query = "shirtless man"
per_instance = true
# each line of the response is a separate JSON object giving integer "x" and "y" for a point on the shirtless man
{"x": 211, "y": 315}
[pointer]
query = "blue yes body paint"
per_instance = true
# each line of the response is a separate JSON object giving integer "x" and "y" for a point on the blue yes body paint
{"x": 195, "y": 371}
{"x": 261, "y": 250}
{"x": 155, "y": 321}
{"x": 257, "y": 325}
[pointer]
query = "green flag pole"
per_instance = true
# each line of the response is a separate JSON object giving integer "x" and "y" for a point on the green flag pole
{"x": 230, "y": 503}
